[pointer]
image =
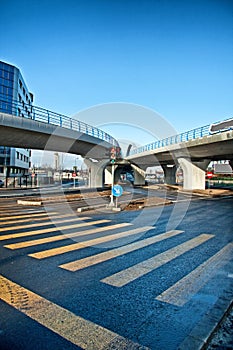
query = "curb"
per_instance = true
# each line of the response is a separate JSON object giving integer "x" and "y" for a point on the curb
{"x": 34, "y": 203}
{"x": 103, "y": 206}
{"x": 82, "y": 209}
{"x": 201, "y": 335}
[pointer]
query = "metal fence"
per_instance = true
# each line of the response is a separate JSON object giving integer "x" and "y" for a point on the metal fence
{"x": 39, "y": 114}
{"x": 183, "y": 137}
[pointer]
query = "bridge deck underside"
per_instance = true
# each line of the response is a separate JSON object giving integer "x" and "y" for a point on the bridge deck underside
{"x": 26, "y": 133}
{"x": 213, "y": 147}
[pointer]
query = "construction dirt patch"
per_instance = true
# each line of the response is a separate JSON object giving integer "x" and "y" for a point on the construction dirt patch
{"x": 147, "y": 202}
{"x": 212, "y": 192}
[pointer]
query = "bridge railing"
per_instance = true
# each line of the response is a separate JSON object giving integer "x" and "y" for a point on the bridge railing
{"x": 183, "y": 137}
{"x": 39, "y": 114}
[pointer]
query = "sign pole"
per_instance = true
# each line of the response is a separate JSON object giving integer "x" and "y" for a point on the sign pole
{"x": 117, "y": 191}
{"x": 112, "y": 201}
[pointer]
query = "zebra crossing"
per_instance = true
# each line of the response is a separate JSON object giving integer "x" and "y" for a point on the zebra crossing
{"x": 83, "y": 230}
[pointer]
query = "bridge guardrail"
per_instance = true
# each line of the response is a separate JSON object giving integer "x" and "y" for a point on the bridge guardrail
{"x": 40, "y": 114}
{"x": 183, "y": 137}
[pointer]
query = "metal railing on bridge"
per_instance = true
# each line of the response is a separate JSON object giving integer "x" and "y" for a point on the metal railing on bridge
{"x": 183, "y": 137}
{"x": 39, "y": 114}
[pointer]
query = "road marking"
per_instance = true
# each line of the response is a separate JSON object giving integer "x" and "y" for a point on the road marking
{"x": 101, "y": 257}
{"x": 184, "y": 289}
{"x": 75, "y": 329}
{"x": 51, "y": 229}
{"x": 5, "y": 229}
{"x": 130, "y": 274}
{"x": 25, "y": 215}
{"x": 63, "y": 236}
{"x": 71, "y": 247}
{"x": 31, "y": 218}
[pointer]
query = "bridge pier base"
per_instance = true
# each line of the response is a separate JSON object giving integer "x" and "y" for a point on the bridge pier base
{"x": 169, "y": 174}
{"x": 193, "y": 173}
{"x": 138, "y": 179}
{"x": 139, "y": 175}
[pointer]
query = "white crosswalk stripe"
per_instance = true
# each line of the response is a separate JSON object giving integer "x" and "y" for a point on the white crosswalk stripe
{"x": 73, "y": 328}
{"x": 39, "y": 224}
{"x": 177, "y": 294}
{"x": 180, "y": 292}
{"x": 10, "y": 217}
{"x": 88, "y": 243}
{"x": 39, "y": 218}
{"x": 101, "y": 257}
{"x": 46, "y": 230}
{"x": 130, "y": 274}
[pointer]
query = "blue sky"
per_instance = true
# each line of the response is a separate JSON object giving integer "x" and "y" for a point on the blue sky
{"x": 175, "y": 57}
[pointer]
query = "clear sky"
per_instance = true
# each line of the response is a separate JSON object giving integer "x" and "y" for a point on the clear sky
{"x": 173, "y": 56}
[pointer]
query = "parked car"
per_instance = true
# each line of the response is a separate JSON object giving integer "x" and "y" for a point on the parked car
{"x": 1, "y": 183}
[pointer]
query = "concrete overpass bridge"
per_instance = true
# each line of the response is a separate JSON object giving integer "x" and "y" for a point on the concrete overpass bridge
{"x": 192, "y": 151}
{"x": 45, "y": 130}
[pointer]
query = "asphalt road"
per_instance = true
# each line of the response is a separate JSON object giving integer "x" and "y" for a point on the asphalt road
{"x": 158, "y": 278}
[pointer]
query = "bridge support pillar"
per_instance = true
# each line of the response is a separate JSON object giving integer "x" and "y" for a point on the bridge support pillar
{"x": 138, "y": 179}
{"x": 139, "y": 175}
{"x": 169, "y": 174}
{"x": 96, "y": 172}
{"x": 231, "y": 164}
{"x": 108, "y": 174}
{"x": 193, "y": 173}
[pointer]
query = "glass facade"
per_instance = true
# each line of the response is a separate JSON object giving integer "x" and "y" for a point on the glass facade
{"x": 17, "y": 100}
{"x": 14, "y": 95}
{"x": 6, "y": 87}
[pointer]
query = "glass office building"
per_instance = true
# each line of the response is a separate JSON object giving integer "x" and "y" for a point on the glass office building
{"x": 17, "y": 100}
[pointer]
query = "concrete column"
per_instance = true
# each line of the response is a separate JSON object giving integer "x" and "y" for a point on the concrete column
{"x": 117, "y": 174}
{"x": 139, "y": 175}
{"x": 169, "y": 174}
{"x": 108, "y": 176}
{"x": 193, "y": 173}
{"x": 96, "y": 172}
{"x": 231, "y": 164}
{"x": 138, "y": 178}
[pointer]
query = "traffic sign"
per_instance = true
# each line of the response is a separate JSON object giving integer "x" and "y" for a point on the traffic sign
{"x": 117, "y": 191}
{"x": 209, "y": 174}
